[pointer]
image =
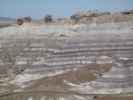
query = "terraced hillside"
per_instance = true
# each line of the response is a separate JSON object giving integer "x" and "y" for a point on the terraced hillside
{"x": 66, "y": 62}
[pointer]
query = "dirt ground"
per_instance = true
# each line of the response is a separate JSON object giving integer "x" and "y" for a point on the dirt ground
{"x": 82, "y": 74}
{"x": 114, "y": 98}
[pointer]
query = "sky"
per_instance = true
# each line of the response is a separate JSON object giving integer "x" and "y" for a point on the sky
{"x": 58, "y": 8}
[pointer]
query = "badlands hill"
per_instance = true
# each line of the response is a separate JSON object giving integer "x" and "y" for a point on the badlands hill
{"x": 87, "y": 56}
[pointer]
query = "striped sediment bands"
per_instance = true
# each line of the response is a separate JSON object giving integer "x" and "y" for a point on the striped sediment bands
{"x": 45, "y": 96}
{"x": 120, "y": 76}
{"x": 37, "y": 55}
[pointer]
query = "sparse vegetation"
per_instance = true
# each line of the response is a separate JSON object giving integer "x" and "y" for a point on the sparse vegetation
{"x": 75, "y": 18}
{"x": 27, "y": 19}
{"x": 127, "y": 12}
{"x": 20, "y": 21}
{"x": 48, "y": 19}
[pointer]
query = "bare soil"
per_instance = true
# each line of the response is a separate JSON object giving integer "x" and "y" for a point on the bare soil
{"x": 82, "y": 74}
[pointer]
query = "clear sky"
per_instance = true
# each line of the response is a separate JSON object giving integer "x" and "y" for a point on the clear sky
{"x": 58, "y": 8}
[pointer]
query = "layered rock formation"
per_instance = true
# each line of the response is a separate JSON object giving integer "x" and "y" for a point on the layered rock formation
{"x": 43, "y": 58}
